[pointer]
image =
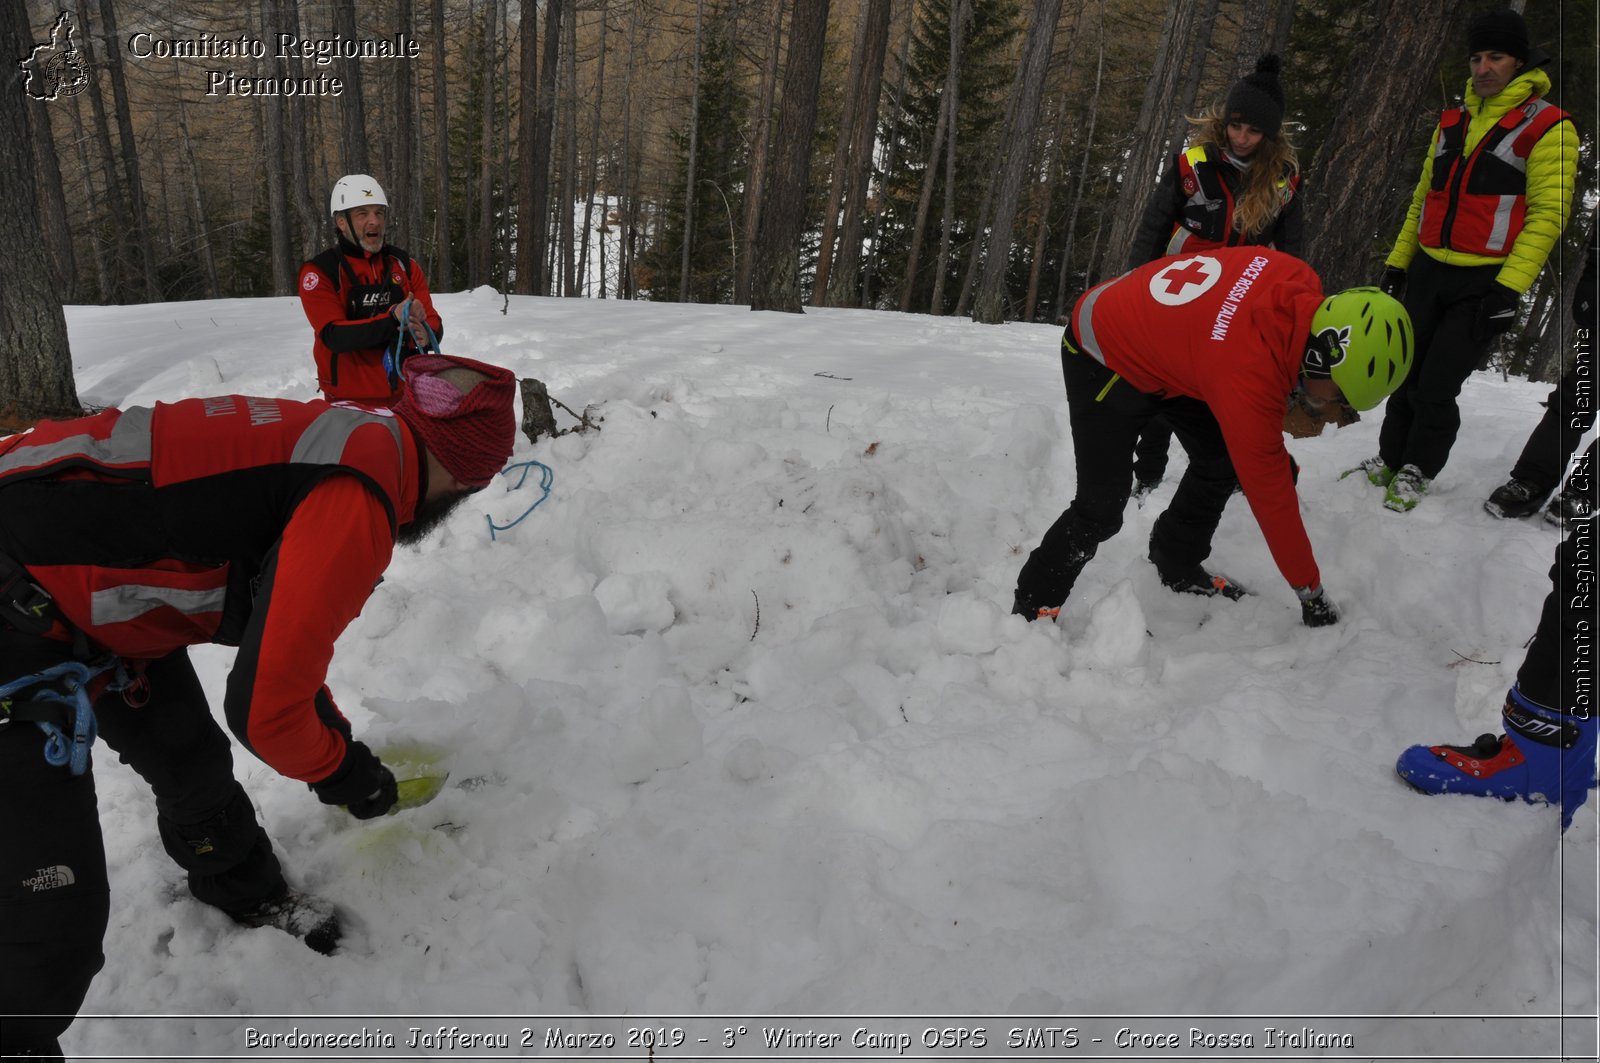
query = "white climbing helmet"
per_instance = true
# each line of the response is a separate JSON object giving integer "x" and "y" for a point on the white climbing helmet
{"x": 356, "y": 190}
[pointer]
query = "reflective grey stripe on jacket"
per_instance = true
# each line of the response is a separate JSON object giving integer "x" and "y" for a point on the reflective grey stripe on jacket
{"x": 128, "y": 444}
{"x": 1500, "y": 230}
{"x": 324, "y": 440}
{"x": 129, "y": 601}
{"x": 1083, "y": 327}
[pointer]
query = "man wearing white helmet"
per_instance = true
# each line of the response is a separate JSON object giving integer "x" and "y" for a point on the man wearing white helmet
{"x": 356, "y": 293}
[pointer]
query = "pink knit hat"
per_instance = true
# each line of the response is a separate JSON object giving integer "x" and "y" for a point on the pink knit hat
{"x": 462, "y": 409}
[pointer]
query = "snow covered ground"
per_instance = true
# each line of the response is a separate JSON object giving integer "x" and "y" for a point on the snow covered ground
{"x": 739, "y": 727}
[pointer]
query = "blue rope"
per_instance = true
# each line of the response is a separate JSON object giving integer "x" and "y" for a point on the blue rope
{"x": 392, "y": 356}
{"x": 546, "y": 478}
{"x": 72, "y": 678}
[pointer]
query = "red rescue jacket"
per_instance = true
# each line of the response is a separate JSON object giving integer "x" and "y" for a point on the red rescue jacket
{"x": 250, "y": 522}
{"x": 1228, "y": 327}
{"x": 347, "y": 295}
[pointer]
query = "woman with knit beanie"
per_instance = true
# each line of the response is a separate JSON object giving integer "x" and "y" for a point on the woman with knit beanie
{"x": 1237, "y": 183}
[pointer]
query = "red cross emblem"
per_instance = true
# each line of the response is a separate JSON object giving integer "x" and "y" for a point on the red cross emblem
{"x": 1185, "y": 280}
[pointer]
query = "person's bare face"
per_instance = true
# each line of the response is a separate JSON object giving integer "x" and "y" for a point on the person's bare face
{"x": 1491, "y": 72}
{"x": 365, "y": 225}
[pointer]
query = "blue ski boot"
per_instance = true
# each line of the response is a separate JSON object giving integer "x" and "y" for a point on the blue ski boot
{"x": 1545, "y": 757}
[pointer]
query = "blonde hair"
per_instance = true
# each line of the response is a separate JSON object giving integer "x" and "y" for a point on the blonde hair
{"x": 1258, "y": 206}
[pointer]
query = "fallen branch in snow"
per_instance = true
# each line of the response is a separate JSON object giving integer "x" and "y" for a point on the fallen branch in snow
{"x": 757, "y": 597}
{"x": 1472, "y": 660}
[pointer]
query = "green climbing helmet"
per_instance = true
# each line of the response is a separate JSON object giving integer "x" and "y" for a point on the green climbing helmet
{"x": 1362, "y": 339}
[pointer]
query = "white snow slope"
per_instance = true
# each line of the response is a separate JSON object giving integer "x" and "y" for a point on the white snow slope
{"x": 745, "y": 728}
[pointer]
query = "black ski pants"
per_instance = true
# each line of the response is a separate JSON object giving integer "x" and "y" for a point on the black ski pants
{"x": 1106, "y": 416}
{"x": 1567, "y": 416}
{"x": 1558, "y": 669}
{"x": 1422, "y": 420}
{"x": 54, "y": 892}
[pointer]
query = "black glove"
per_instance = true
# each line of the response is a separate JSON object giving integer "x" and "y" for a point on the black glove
{"x": 1316, "y": 608}
{"x": 361, "y": 783}
{"x": 1497, "y": 312}
{"x": 1393, "y": 282}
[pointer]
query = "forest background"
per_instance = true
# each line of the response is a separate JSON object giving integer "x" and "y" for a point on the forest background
{"x": 987, "y": 158}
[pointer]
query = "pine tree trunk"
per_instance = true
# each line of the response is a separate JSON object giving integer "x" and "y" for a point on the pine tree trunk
{"x": 352, "y": 111}
{"x": 775, "y": 272}
{"x": 527, "y": 126}
{"x": 486, "y": 149}
{"x": 116, "y": 197}
{"x": 52, "y": 199}
{"x": 594, "y": 168}
{"x": 869, "y": 295}
{"x": 1062, "y": 307}
{"x": 130, "y": 156}
{"x": 960, "y": 13}
{"x": 202, "y": 228}
{"x": 1150, "y": 133}
{"x": 402, "y": 173}
{"x": 569, "y": 168}
{"x": 626, "y": 198}
{"x": 845, "y": 282}
{"x": 756, "y": 183}
{"x": 1351, "y": 224}
{"x": 694, "y": 157}
{"x": 990, "y": 305}
{"x": 853, "y": 92}
{"x": 544, "y": 133}
{"x": 309, "y": 207}
{"x": 443, "y": 279}
{"x": 97, "y": 246}
{"x": 282, "y": 265}
{"x": 36, "y": 372}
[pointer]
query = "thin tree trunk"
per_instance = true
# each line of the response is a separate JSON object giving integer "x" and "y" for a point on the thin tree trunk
{"x": 352, "y": 112}
{"x": 1150, "y": 131}
{"x": 694, "y": 157}
{"x": 52, "y": 199}
{"x": 853, "y": 92}
{"x": 1083, "y": 170}
{"x": 202, "y": 229}
{"x": 282, "y": 265}
{"x": 1199, "y": 46}
{"x": 775, "y": 272}
{"x": 130, "y": 156}
{"x": 847, "y": 266}
{"x": 116, "y": 195}
{"x": 891, "y": 163}
{"x": 486, "y": 148}
{"x": 97, "y": 246}
{"x": 930, "y": 176}
{"x": 990, "y": 305}
{"x": 403, "y": 167}
{"x": 313, "y": 216}
{"x": 959, "y": 14}
{"x": 441, "y": 156}
{"x": 756, "y": 183}
{"x": 36, "y": 372}
{"x": 527, "y": 135}
{"x": 625, "y": 196}
{"x": 569, "y": 169}
{"x": 1043, "y": 194}
{"x": 544, "y": 130}
{"x": 594, "y": 165}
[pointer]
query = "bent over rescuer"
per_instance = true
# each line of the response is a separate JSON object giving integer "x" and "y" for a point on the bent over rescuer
{"x": 127, "y": 537}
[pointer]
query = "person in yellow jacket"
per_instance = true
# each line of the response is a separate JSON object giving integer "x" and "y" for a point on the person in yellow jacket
{"x": 1495, "y": 195}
